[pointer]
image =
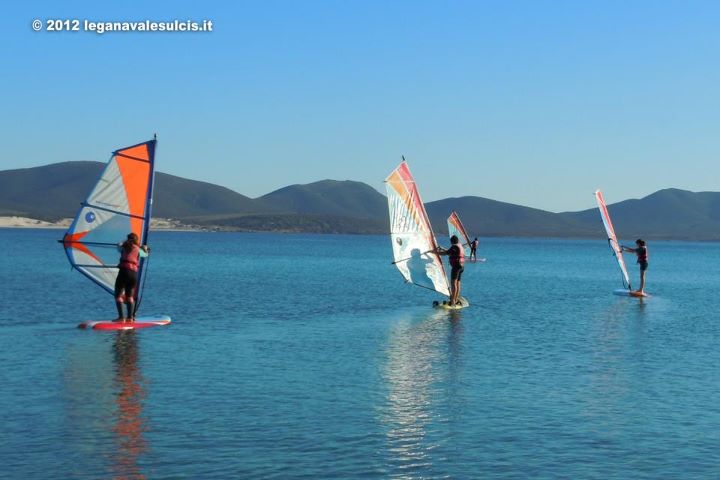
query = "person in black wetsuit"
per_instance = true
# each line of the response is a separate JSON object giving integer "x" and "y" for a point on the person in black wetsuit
{"x": 127, "y": 278}
{"x": 473, "y": 250}
{"x": 456, "y": 254}
{"x": 642, "y": 259}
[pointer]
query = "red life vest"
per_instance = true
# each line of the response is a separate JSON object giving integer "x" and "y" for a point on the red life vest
{"x": 457, "y": 255}
{"x": 642, "y": 257}
{"x": 130, "y": 260}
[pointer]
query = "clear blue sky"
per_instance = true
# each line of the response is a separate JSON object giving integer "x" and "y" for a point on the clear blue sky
{"x": 531, "y": 102}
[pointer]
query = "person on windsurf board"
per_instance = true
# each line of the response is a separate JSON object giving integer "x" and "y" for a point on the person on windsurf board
{"x": 127, "y": 279}
{"x": 473, "y": 250}
{"x": 642, "y": 259}
{"x": 456, "y": 258}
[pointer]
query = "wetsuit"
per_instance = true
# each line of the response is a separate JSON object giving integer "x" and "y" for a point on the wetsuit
{"x": 457, "y": 261}
{"x": 127, "y": 278}
{"x": 642, "y": 257}
{"x": 473, "y": 248}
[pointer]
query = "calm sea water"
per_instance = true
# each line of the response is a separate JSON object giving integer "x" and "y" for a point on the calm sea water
{"x": 305, "y": 356}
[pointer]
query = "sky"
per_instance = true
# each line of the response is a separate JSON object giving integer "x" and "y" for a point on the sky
{"x": 537, "y": 103}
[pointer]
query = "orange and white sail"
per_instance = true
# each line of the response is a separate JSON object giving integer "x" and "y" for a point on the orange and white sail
{"x": 612, "y": 238}
{"x": 120, "y": 203}
{"x": 455, "y": 227}
{"x": 413, "y": 240}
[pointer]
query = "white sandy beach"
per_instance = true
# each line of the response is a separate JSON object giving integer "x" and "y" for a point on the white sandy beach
{"x": 24, "y": 222}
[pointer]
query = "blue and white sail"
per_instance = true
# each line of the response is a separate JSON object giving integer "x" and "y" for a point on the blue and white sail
{"x": 120, "y": 203}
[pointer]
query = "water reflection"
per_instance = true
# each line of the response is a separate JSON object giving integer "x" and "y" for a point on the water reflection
{"x": 129, "y": 425}
{"x": 608, "y": 381}
{"x": 617, "y": 368}
{"x": 104, "y": 394}
{"x": 421, "y": 373}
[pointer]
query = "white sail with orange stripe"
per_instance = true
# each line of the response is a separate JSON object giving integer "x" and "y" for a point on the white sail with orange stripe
{"x": 119, "y": 203}
{"x": 413, "y": 240}
{"x": 455, "y": 227}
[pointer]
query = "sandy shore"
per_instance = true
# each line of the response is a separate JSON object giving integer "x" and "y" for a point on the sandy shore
{"x": 24, "y": 222}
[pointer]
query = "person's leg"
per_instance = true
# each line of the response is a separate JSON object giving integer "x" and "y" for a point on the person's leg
{"x": 119, "y": 298}
{"x": 130, "y": 294}
{"x": 453, "y": 277}
{"x": 118, "y": 306}
{"x": 642, "y": 279}
{"x": 456, "y": 285}
{"x": 130, "y": 304}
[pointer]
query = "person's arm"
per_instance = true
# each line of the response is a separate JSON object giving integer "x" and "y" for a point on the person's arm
{"x": 627, "y": 249}
{"x": 441, "y": 251}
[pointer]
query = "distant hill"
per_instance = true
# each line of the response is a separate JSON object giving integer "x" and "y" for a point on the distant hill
{"x": 55, "y": 191}
{"x": 484, "y": 217}
{"x": 177, "y": 197}
{"x": 665, "y": 214}
{"x": 329, "y": 206}
{"x": 329, "y": 197}
{"x": 295, "y": 223}
{"x": 49, "y": 192}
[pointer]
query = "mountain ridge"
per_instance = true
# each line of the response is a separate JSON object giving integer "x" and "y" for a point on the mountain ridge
{"x": 55, "y": 191}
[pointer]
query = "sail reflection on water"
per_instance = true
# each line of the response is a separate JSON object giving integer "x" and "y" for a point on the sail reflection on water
{"x": 422, "y": 358}
{"x": 104, "y": 393}
{"x": 129, "y": 426}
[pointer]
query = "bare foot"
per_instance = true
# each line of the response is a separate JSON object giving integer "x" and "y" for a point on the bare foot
{"x": 119, "y": 319}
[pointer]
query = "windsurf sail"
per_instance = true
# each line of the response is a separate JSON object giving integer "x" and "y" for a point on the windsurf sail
{"x": 120, "y": 203}
{"x": 413, "y": 240}
{"x": 455, "y": 227}
{"x": 612, "y": 238}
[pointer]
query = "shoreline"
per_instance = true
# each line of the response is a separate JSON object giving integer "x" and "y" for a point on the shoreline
{"x": 171, "y": 225}
{"x": 155, "y": 224}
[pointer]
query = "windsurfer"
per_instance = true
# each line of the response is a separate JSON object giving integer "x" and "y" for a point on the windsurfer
{"x": 456, "y": 255}
{"x": 473, "y": 249}
{"x": 130, "y": 254}
{"x": 642, "y": 260}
